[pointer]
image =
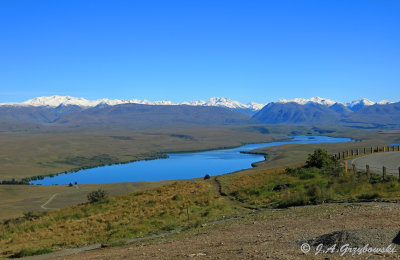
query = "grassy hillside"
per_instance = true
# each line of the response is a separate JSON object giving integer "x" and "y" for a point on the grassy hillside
{"x": 178, "y": 205}
{"x": 138, "y": 115}
{"x": 280, "y": 188}
{"x": 19, "y": 199}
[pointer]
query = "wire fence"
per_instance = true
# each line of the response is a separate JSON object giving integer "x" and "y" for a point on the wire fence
{"x": 365, "y": 151}
{"x": 371, "y": 167}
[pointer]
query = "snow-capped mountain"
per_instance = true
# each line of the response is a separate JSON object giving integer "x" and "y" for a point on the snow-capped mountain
{"x": 320, "y": 111}
{"x": 66, "y": 110}
{"x": 303, "y": 101}
{"x": 354, "y": 105}
{"x": 385, "y": 102}
{"x": 358, "y": 104}
{"x": 55, "y": 101}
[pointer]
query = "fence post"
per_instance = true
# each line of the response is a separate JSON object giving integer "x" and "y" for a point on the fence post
{"x": 352, "y": 152}
{"x": 368, "y": 173}
{"x": 399, "y": 174}
{"x": 365, "y": 151}
{"x": 354, "y": 168}
{"x": 345, "y": 167}
{"x": 339, "y": 155}
{"x": 358, "y": 152}
{"x": 384, "y": 173}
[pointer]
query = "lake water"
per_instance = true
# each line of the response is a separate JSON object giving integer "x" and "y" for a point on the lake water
{"x": 179, "y": 166}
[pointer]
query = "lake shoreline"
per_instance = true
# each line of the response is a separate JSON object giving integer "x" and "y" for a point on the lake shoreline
{"x": 163, "y": 155}
{"x": 175, "y": 170}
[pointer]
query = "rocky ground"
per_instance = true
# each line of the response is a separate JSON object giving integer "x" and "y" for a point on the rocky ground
{"x": 272, "y": 235}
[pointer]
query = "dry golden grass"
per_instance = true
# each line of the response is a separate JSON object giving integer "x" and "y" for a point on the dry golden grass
{"x": 181, "y": 204}
{"x": 19, "y": 199}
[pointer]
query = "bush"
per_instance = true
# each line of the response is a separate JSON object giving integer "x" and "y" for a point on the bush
{"x": 31, "y": 252}
{"x": 315, "y": 193}
{"x": 207, "y": 177}
{"x": 97, "y": 195}
{"x": 369, "y": 197}
{"x": 176, "y": 197}
{"x": 303, "y": 173}
{"x": 31, "y": 215}
{"x": 292, "y": 199}
{"x": 319, "y": 159}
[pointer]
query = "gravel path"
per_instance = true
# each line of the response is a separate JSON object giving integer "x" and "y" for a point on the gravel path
{"x": 43, "y": 206}
{"x": 274, "y": 235}
{"x": 391, "y": 160}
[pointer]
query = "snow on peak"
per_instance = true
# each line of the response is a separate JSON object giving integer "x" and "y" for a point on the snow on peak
{"x": 255, "y": 106}
{"x": 55, "y": 101}
{"x": 224, "y": 102}
{"x": 364, "y": 102}
{"x": 384, "y": 102}
{"x": 303, "y": 101}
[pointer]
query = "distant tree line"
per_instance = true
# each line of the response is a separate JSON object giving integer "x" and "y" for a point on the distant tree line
{"x": 13, "y": 181}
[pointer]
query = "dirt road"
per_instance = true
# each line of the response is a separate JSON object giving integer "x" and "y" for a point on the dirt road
{"x": 391, "y": 160}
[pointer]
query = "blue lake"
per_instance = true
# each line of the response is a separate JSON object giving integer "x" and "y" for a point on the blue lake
{"x": 179, "y": 166}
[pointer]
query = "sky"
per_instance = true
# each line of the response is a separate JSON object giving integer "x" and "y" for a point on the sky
{"x": 248, "y": 50}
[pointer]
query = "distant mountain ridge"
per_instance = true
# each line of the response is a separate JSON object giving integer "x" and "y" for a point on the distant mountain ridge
{"x": 362, "y": 114}
{"x": 55, "y": 101}
{"x": 314, "y": 111}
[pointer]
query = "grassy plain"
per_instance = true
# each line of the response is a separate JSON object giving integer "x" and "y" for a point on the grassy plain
{"x": 46, "y": 152}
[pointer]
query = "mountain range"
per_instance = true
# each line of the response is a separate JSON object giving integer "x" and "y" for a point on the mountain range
{"x": 55, "y": 101}
{"x": 67, "y": 110}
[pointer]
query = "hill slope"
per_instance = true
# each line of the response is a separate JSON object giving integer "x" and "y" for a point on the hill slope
{"x": 153, "y": 115}
{"x": 312, "y": 113}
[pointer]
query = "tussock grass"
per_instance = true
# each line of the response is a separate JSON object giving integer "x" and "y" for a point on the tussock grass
{"x": 303, "y": 186}
{"x": 178, "y": 205}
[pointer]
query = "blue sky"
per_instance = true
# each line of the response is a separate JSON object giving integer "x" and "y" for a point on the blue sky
{"x": 187, "y": 50}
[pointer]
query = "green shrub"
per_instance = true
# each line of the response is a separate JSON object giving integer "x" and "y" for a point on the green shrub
{"x": 315, "y": 193}
{"x": 291, "y": 199}
{"x": 367, "y": 196}
{"x": 97, "y": 195}
{"x": 319, "y": 159}
{"x": 306, "y": 175}
{"x": 30, "y": 252}
{"x": 375, "y": 178}
{"x": 30, "y": 215}
{"x": 176, "y": 197}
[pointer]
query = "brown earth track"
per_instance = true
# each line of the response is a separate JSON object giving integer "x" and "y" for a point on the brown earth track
{"x": 270, "y": 235}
